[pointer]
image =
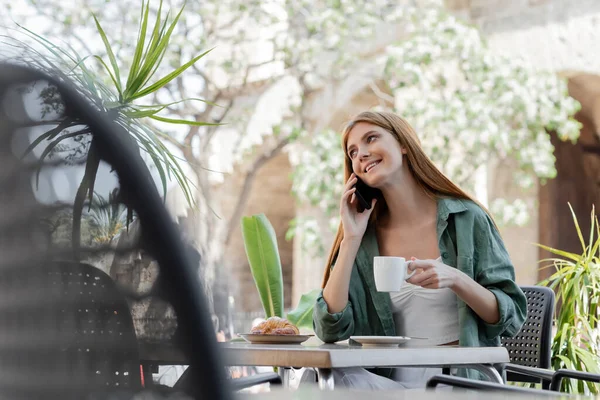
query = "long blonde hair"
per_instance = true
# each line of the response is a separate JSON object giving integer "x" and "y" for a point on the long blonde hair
{"x": 433, "y": 182}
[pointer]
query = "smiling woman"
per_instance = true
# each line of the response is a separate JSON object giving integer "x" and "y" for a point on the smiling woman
{"x": 463, "y": 288}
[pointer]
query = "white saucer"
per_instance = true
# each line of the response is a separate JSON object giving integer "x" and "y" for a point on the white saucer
{"x": 380, "y": 340}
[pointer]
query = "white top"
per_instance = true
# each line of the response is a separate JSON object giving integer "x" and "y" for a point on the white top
{"x": 425, "y": 313}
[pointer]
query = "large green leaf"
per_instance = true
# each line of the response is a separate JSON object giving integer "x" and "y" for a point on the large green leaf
{"x": 263, "y": 255}
{"x": 301, "y": 316}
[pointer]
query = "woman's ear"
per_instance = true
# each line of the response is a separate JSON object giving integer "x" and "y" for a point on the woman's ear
{"x": 403, "y": 150}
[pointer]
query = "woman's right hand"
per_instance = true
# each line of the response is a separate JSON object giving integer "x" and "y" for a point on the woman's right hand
{"x": 354, "y": 224}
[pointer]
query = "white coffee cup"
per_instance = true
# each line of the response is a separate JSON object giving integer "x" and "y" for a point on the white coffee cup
{"x": 390, "y": 273}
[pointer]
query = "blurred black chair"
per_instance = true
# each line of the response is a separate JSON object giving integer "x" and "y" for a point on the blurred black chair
{"x": 244, "y": 382}
{"x": 68, "y": 320}
{"x": 185, "y": 382}
{"x": 95, "y": 326}
{"x": 37, "y": 356}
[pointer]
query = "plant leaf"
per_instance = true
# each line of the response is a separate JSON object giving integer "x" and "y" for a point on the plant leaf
{"x": 178, "y": 102}
{"x": 301, "y": 316}
{"x": 111, "y": 56}
{"x": 144, "y": 111}
{"x": 151, "y": 55}
{"x": 110, "y": 74}
{"x": 161, "y": 172}
{"x": 577, "y": 228}
{"x": 168, "y": 78}
{"x": 139, "y": 48}
{"x": 183, "y": 121}
{"x": 566, "y": 254}
{"x": 145, "y": 134}
{"x": 52, "y": 145}
{"x": 51, "y": 134}
{"x": 260, "y": 243}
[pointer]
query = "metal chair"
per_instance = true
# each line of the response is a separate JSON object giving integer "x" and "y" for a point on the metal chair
{"x": 471, "y": 384}
{"x": 556, "y": 381}
{"x": 530, "y": 353}
{"x": 531, "y": 347}
{"x": 95, "y": 324}
{"x": 38, "y": 359}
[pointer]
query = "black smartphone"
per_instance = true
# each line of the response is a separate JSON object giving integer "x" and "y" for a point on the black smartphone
{"x": 365, "y": 195}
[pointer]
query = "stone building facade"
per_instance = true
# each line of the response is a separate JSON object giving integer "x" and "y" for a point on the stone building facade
{"x": 556, "y": 35}
{"x": 559, "y": 35}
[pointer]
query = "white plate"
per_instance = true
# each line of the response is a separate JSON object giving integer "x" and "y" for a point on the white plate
{"x": 380, "y": 340}
{"x": 273, "y": 339}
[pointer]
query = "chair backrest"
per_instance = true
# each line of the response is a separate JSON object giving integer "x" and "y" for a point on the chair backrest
{"x": 79, "y": 339}
{"x": 531, "y": 347}
{"x": 102, "y": 336}
{"x": 53, "y": 328}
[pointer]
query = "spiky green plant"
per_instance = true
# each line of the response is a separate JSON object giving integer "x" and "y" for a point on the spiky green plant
{"x": 577, "y": 285}
{"x": 106, "y": 218}
{"x": 121, "y": 101}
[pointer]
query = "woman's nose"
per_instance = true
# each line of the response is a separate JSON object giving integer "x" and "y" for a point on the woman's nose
{"x": 363, "y": 153}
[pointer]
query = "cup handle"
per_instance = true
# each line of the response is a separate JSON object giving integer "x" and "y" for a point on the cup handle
{"x": 409, "y": 275}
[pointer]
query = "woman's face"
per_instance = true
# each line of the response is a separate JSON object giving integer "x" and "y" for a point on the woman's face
{"x": 375, "y": 153}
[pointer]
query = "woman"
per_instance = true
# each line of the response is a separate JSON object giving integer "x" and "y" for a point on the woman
{"x": 464, "y": 290}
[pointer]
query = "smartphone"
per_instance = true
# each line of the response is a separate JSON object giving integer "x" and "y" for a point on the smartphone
{"x": 365, "y": 195}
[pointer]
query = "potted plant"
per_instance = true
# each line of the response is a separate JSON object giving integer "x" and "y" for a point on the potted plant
{"x": 121, "y": 97}
{"x": 577, "y": 286}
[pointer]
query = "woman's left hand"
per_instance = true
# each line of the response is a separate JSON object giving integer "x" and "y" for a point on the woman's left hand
{"x": 432, "y": 274}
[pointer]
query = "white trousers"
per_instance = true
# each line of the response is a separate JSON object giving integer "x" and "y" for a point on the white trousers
{"x": 360, "y": 379}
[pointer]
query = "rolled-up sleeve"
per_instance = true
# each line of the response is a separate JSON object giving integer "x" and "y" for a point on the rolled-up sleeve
{"x": 332, "y": 327}
{"x": 495, "y": 271}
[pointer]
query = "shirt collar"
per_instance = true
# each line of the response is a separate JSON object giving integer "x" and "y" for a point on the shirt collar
{"x": 448, "y": 205}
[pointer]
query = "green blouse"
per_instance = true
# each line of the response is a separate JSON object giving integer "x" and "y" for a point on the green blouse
{"x": 469, "y": 241}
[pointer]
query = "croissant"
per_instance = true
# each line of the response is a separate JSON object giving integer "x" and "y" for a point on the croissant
{"x": 275, "y": 326}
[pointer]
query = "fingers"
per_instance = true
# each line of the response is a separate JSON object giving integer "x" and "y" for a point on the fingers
{"x": 351, "y": 182}
{"x": 347, "y": 194}
{"x": 432, "y": 282}
{"x": 420, "y": 277}
{"x": 423, "y": 264}
{"x": 427, "y": 280}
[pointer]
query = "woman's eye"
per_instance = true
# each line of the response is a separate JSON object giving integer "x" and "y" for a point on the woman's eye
{"x": 370, "y": 138}
{"x": 352, "y": 153}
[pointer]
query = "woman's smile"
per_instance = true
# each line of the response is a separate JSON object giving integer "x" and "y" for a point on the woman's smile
{"x": 371, "y": 165}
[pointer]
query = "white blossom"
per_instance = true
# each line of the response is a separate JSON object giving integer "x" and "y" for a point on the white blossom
{"x": 467, "y": 103}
